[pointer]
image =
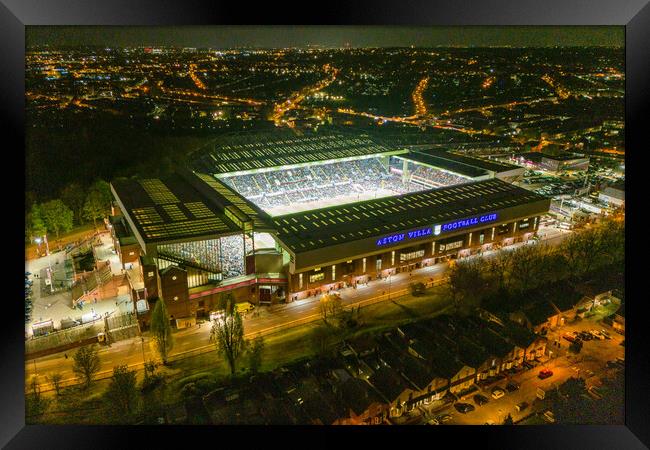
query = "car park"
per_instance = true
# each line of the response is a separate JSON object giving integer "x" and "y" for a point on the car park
{"x": 480, "y": 400}
{"x": 545, "y": 373}
{"x": 464, "y": 408}
{"x": 497, "y": 392}
{"x": 512, "y": 386}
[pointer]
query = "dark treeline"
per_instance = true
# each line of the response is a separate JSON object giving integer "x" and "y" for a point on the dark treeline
{"x": 81, "y": 150}
{"x": 503, "y": 282}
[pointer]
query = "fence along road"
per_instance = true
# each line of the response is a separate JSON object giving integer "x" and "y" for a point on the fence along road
{"x": 104, "y": 374}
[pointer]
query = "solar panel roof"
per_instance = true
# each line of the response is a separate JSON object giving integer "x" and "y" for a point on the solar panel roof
{"x": 479, "y": 163}
{"x": 250, "y": 152}
{"x": 444, "y": 164}
{"x": 170, "y": 209}
{"x": 310, "y": 230}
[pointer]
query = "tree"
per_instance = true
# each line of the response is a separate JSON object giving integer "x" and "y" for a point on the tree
{"x": 508, "y": 420}
{"x": 322, "y": 340}
{"x": 551, "y": 267}
{"x": 94, "y": 207}
{"x": 161, "y": 330}
{"x": 523, "y": 268}
{"x": 104, "y": 190}
{"x": 228, "y": 336}
{"x": 86, "y": 364}
{"x": 35, "y": 404}
{"x": 28, "y": 301}
{"x": 73, "y": 196}
{"x": 122, "y": 392}
{"x": 226, "y": 302}
{"x": 55, "y": 379}
{"x": 34, "y": 224}
{"x": 57, "y": 216}
{"x": 467, "y": 284}
{"x": 497, "y": 269}
{"x": 255, "y": 351}
{"x": 330, "y": 306}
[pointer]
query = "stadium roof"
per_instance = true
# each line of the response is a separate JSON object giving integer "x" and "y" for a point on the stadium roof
{"x": 447, "y": 164}
{"x": 479, "y": 163}
{"x": 169, "y": 209}
{"x": 240, "y": 211}
{"x": 246, "y": 153}
{"x": 310, "y": 230}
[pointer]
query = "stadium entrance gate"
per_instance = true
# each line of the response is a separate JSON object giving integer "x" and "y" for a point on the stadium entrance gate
{"x": 408, "y": 267}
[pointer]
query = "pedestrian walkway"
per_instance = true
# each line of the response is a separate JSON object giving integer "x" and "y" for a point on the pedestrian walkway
{"x": 58, "y": 305}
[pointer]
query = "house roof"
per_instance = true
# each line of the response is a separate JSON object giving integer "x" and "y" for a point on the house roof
{"x": 358, "y": 395}
{"x": 388, "y": 383}
{"x": 538, "y": 313}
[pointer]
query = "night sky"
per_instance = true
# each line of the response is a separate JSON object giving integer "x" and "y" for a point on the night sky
{"x": 222, "y": 37}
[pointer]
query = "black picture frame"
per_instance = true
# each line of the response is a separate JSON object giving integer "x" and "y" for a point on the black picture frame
{"x": 633, "y": 14}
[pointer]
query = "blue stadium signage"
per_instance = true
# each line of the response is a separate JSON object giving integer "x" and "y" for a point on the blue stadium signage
{"x": 464, "y": 223}
{"x": 436, "y": 229}
{"x": 398, "y": 237}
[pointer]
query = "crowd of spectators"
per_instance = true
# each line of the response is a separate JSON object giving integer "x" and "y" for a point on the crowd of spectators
{"x": 437, "y": 177}
{"x": 225, "y": 255}
{"x": 313, "y": 183}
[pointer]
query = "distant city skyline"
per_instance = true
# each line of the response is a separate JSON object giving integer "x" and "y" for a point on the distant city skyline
{"x": 225, "y": 37}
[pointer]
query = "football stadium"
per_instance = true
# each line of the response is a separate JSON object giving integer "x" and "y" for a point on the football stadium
{"x": 277, "y": 217}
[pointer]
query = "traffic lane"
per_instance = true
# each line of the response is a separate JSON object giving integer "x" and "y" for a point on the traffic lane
{"x": 124, "y": 352}
{"x": 199, "y": 336}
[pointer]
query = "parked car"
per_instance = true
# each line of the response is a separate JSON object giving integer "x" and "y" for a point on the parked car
{"x": 549, "y": 416}
{"x": 490, "y": 422}
{"x": 571, "y": 337}
{"x": 606, "y": 334}
{"x": 433, "y": 422}
{"x": 464, "y": 408}
{"x": 585, "y": 336}
{"x": 480, "y": 399}
{"x": 497, "y": 392}
{"x": 512, "y": 386}
{"x": 595, "y": 392}
{"x": 596, "y": 334}
{"x": 521, "y": 406}
{"x": 545, "y": 373}
{"x": 444, "y": 418}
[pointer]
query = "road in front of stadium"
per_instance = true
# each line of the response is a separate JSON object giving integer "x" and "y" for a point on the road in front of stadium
{"x": 195, "y": 340}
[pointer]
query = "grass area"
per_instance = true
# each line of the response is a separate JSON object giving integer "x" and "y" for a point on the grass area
{"x": 533, "y": 420}
{"x": 289, "y": 345}
{"x": 79, "y": 406}
{"x": 73, "y": 235}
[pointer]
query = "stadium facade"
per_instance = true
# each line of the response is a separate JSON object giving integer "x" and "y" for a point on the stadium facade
{"x": 276, "y": 218}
